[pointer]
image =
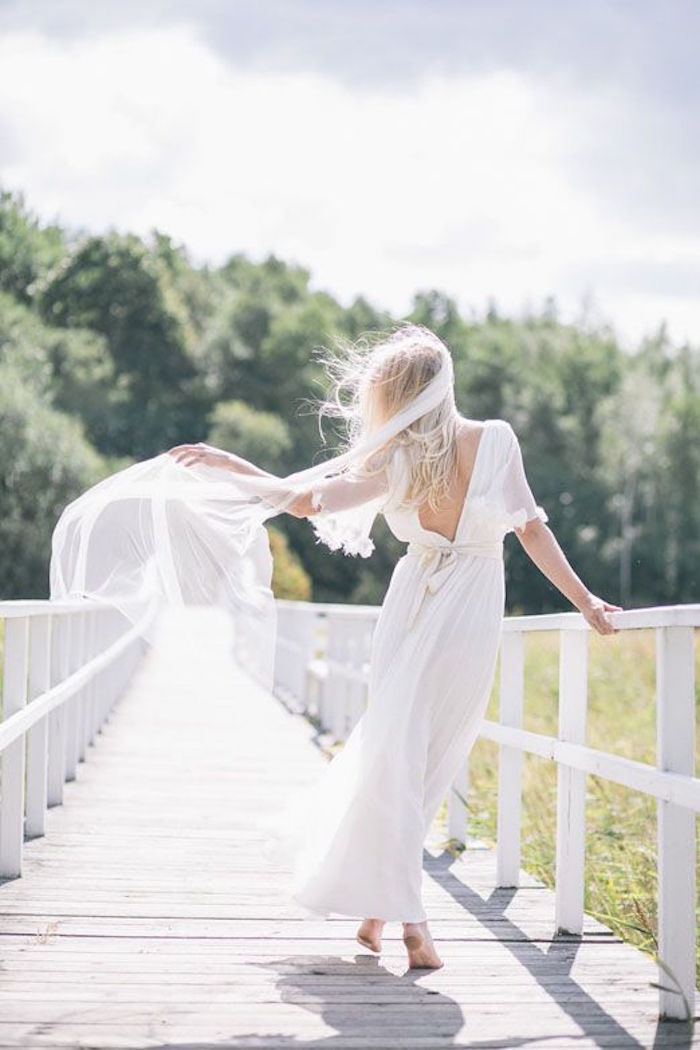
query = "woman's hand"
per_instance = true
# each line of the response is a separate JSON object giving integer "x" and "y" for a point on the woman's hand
{"x": 189, "y": 455}
{"x": 594, "y": 611}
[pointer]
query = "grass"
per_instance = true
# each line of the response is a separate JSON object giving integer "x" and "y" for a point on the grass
{"x": 620, "y": 886}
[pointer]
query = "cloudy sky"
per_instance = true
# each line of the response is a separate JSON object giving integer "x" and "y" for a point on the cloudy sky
{"x": 490, "y": 148}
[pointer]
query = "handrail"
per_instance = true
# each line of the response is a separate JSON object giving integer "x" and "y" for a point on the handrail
{"x": 323, "y": 668}
{"x": 18, "y": 723}
{"x": 627, "y": 619}
{"x": 65, "y": 665}
{"x": 640, "y": 776}
{"x": 11, "y": 608}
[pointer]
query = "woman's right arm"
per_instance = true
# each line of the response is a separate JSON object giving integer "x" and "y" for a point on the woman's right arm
{"x": 328, "y": 494}
{"x": 211, "y": 456}
{"x": 337, "y": 494}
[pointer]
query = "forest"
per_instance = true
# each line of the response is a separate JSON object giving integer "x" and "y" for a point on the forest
{"x": 115, "y": 347}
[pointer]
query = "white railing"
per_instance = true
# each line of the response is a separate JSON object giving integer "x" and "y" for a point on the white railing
{"x": 322, "y": 667}
{"x": 65, "y": 664}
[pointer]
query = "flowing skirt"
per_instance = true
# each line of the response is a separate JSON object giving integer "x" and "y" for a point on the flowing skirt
{"x": 357, "y": 835}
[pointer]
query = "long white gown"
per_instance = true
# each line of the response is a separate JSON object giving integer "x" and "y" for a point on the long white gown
{"x": 360, "y": 831}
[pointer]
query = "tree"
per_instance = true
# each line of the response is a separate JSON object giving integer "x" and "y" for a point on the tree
{"x": 124, "y": 290}
{"x": 147, "y": 350}
{"x": 27, "y": 250}
{"x": 46, "y": 463}
{"x": 289, "y": 578}
{"x": 261, "y": 437}
{"x": 70, "y": 368}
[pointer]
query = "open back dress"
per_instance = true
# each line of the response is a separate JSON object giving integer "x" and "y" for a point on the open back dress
{"x": 434, "y": 650}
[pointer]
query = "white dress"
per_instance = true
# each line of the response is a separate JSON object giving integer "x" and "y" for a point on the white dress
{"x": 432, "y": 665}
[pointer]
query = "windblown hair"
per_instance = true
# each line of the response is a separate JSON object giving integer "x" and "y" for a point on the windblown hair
{"x": 375, "y": 377}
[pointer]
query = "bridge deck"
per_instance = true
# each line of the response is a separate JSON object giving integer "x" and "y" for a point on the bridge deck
{"x": 147, "y": 918}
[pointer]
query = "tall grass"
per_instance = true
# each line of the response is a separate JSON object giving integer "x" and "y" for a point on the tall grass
{"x": 620, "y": 887}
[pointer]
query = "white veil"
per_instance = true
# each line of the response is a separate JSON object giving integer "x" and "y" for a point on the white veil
{"x": 162, "y": 533}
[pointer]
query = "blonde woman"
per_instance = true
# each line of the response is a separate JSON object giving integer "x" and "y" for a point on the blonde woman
{"x": 451, "y": 487}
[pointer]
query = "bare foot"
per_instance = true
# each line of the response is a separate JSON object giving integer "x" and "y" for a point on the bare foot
{"x": 420, "y": 947}
{"x": 370, "y": 934}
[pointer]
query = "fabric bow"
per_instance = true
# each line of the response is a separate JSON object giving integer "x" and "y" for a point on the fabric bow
{"x": 439, "y": 563}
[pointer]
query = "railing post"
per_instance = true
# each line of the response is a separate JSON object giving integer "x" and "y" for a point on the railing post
{"x": 119, "y": 669}
{"x": 510, "y": 761}
{"x": 361, "y": 695}
{"x": 328, "y": 699}
{"x": 571, "y": 783}
{"x": 89, "y": 700}
{"x": 38, "y": 734}
{"x": 109, "y": 677}
{"x": 314, "y": 679}
{"x": 291, "y": 653}
{"x": 14, "y": 699}
{"x": 75, "y": 659}
{"x": 126, "y": 663}
{"x": 344, "y": 711}
{"x": 82, "y": 656}
{"x": 675, "y": 752}
{"x": 102, "y": 639}
{"x": 60, "y": 637}
{"x": 301, "y": 632}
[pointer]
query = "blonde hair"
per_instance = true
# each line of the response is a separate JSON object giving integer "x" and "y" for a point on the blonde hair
{"x": 375, "y": 377}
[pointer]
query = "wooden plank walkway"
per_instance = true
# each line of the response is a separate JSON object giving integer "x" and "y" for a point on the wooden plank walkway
{"x": 147, "y": 917}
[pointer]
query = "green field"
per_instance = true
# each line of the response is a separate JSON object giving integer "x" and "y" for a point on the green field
{"x": 621, "y": 824}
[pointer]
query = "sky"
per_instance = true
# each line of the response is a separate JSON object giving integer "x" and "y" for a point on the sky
{"x": 493, "y": 149}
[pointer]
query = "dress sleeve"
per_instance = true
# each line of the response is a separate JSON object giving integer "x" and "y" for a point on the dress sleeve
{"x": 519, "y": 502}
{"x": 346, "y": 491}
{"x": 345, "y": 509}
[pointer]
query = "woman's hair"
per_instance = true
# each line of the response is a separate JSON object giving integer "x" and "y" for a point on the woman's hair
{"x": 375, "y": 377}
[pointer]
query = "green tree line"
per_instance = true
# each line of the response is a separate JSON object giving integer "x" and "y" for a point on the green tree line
{"x": 115, "y": 347}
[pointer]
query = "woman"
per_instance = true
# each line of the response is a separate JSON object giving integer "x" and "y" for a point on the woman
{"x": 452, "y": 488}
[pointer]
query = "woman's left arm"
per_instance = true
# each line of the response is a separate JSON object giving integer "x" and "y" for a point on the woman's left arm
{"x": 543, "y": 548}
{"x": 541, "y": 544}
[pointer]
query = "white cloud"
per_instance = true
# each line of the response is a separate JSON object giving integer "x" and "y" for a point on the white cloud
{"x": 466, "y": 184}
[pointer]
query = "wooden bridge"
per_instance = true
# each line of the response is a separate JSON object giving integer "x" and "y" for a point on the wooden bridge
{"x": 146, "y": 914}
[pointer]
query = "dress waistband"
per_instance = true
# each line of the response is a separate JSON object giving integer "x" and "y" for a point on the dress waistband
{"x": 440, "y": 560}
{"x": 428, "y": 551}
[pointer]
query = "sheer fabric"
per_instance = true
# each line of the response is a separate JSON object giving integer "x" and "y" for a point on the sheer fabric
{"x": 433, "y": 658}
{"x": 158, "y": 533}
{"x": 518, "y": 501}
{"x": 335, "y": 497}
